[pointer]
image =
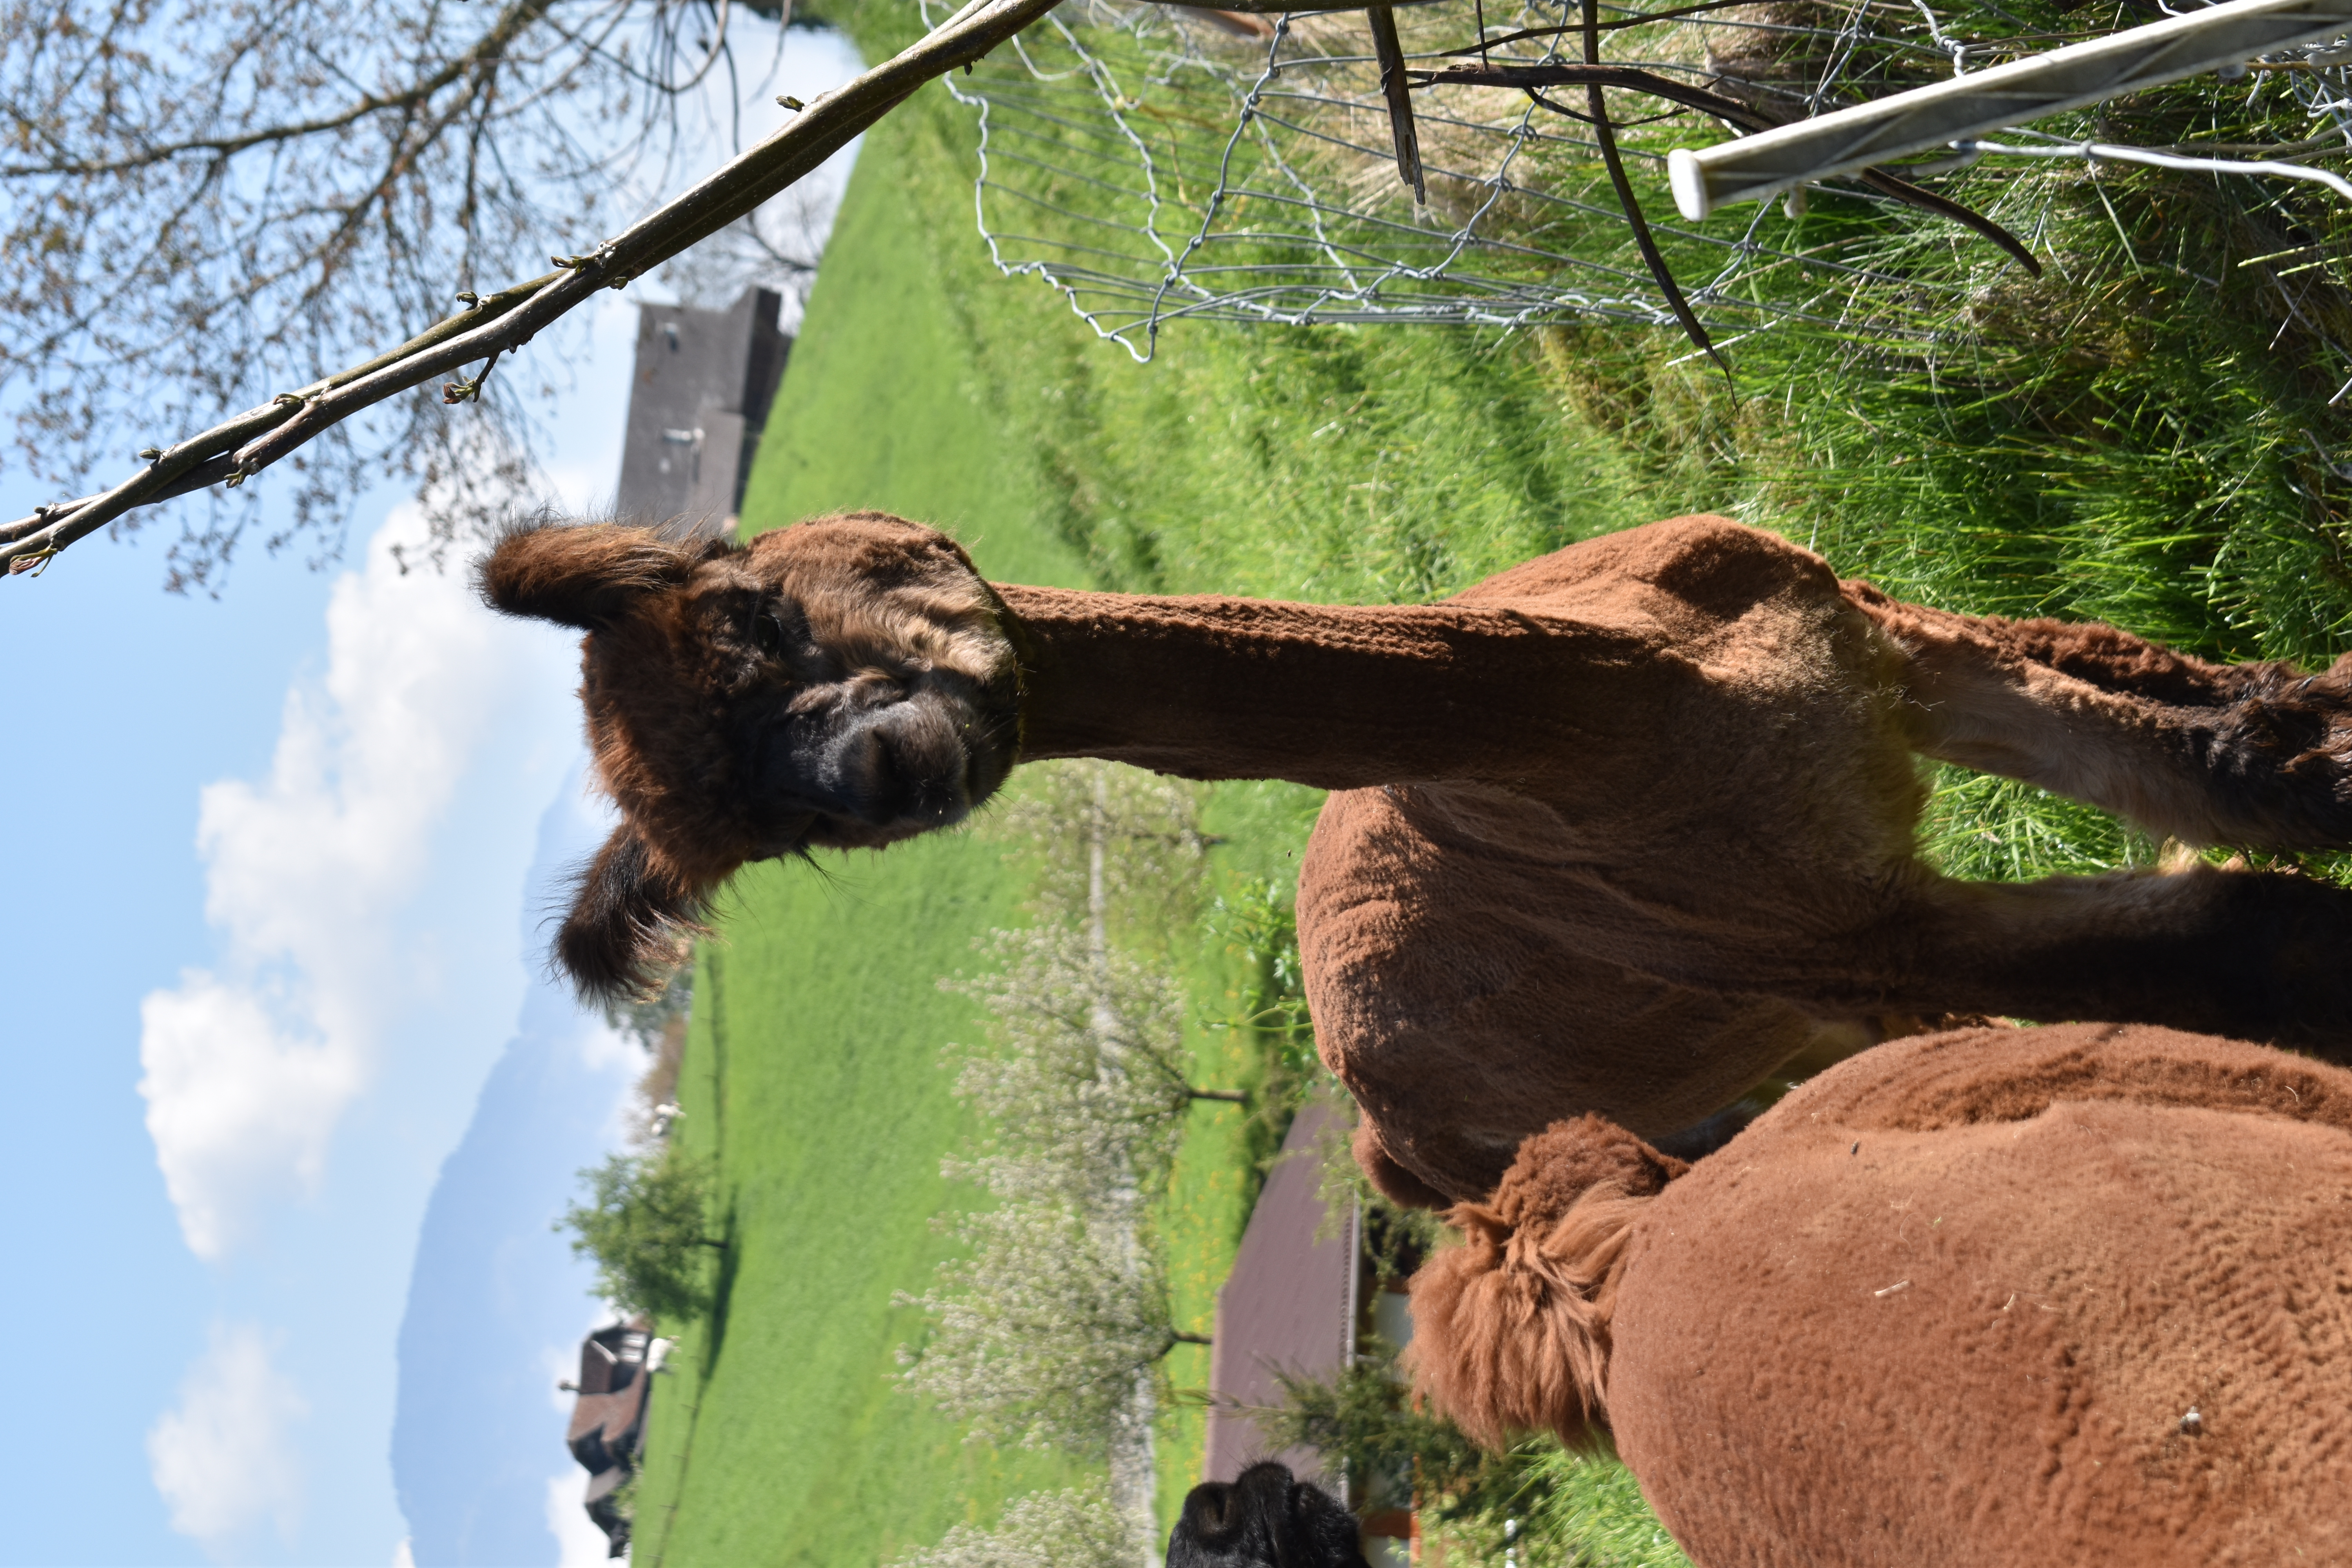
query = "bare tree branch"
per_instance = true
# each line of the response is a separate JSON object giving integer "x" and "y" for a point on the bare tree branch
{"x": 244, "y": 445}
{"x": 493, "y": 44}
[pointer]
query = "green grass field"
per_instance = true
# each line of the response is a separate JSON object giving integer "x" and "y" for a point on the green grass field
{"x": 1328, "y": 463}
{"x": 811, "y": 1074}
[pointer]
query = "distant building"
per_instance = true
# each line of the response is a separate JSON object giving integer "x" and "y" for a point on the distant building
{"x": 608, "y": 1421}
{"x": 697, "y": 401}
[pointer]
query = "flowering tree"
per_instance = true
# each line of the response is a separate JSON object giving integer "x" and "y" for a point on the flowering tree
{"x": 1070, "y": 1529}
{"x": 1042, "y": 1330}
{"x": 1087, "y": 1080}
{"x": 1050, "y": 1328}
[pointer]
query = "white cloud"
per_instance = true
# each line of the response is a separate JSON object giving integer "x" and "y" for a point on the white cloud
{"x": 234, "y": 1106}
{"x": 224, "y": 1460}
{"x": 605, "y": 1049}
{"x": 404, "y": 1554}
{"x": 579, "y": 1544}
{"x": 250, "y": 1065}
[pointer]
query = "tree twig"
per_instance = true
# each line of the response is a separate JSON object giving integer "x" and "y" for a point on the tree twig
{"x": 1394, "y": 87}
{"x": 1605, "y": 133}
{"x": 509, "y": 26}
{"x": 504, "y": 322}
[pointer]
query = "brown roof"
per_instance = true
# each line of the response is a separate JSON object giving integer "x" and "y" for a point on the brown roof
{"x": 699, "y": 399}
{"x": 612, "y": 1405}
{"x": 1289, "y": 1304}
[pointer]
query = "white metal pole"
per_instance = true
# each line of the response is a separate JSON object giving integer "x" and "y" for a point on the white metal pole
{"x": 1752, "y": 168}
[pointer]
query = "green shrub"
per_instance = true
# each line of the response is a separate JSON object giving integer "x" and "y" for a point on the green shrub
{"x": 645, "y": 1224}
{"x": 1533, "y": 1503}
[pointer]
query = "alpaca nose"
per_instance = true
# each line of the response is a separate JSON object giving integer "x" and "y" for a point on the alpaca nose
{"x": 926, "y": 761}
{"x": 860, "y": 771}
{"x": 897, "y": 764}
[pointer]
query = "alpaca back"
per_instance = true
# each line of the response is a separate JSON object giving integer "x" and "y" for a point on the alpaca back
{"x": 1956, "y": 1302}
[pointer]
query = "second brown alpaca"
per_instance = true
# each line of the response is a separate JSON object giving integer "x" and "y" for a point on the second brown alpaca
{"x": 2012, "y": 1298}
{"x": 1622, "y": 829}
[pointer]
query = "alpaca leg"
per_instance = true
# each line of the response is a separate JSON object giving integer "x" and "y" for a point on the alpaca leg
{"x": 2255, "y": 754}
{"x": 2251, "y": 955}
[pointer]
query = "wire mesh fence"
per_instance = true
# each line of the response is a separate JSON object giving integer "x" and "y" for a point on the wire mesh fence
{"x": 1158, "y": 163}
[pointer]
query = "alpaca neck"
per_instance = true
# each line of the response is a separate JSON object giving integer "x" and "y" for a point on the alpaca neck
{"x": 1338, "y": 697}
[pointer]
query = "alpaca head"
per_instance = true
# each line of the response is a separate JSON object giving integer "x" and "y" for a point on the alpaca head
{"x": 1511, "y": 1329}
{"x": 1265, "y": 1518}
{"x": 845, "y": 683}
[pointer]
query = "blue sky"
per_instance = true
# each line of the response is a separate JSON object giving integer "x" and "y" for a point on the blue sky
{"x": 267, "y": 858}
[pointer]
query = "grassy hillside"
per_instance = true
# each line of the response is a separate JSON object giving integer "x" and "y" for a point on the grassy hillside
{"x": 887, "y": 402}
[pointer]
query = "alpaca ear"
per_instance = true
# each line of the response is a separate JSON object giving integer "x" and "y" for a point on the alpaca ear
{"x": 579, "y": 575}
{"x": 627, "y": 922}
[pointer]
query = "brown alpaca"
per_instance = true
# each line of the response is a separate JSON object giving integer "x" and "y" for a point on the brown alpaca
{"x": 2080, "y": 1294}
{"x": 1620, "y": 830}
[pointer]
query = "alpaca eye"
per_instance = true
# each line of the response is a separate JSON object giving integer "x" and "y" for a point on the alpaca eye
{"x": 768, "y": 634}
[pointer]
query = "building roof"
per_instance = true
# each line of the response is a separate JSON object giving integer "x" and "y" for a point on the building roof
{"x": 608, "y": 1417}
{"x": 698, "y": 398}
{"x": 1289, "y": 1304}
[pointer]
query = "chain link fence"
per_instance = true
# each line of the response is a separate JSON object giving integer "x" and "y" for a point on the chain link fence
{"x": 1158, "y": 163}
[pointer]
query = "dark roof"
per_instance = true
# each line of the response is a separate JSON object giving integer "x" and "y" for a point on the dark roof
{"x": 608, "y": 1417}
{"x": 1289, "y": 1304}
{"x": 698, "y": 398}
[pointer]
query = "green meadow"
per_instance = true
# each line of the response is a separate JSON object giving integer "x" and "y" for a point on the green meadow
{"x": 1336, "y": 464}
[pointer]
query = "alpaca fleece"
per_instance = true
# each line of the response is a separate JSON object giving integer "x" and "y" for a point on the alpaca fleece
{"x": 1979, "y": 1339}
{"x": 1952, "y": 1303}
{"x": 1702, "y": 865}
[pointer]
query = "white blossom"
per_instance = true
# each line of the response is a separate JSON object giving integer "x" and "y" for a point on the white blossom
{"x": 1045, "y": 1530}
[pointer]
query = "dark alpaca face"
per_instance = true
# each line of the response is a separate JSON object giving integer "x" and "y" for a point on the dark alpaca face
{"x": 847, "y": 716}
{"x": 844, "y": 684}
{"x": 1266, "y": 1518}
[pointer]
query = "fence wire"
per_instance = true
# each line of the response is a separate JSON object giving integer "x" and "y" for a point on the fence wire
{"x": 1158, "y": 163}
